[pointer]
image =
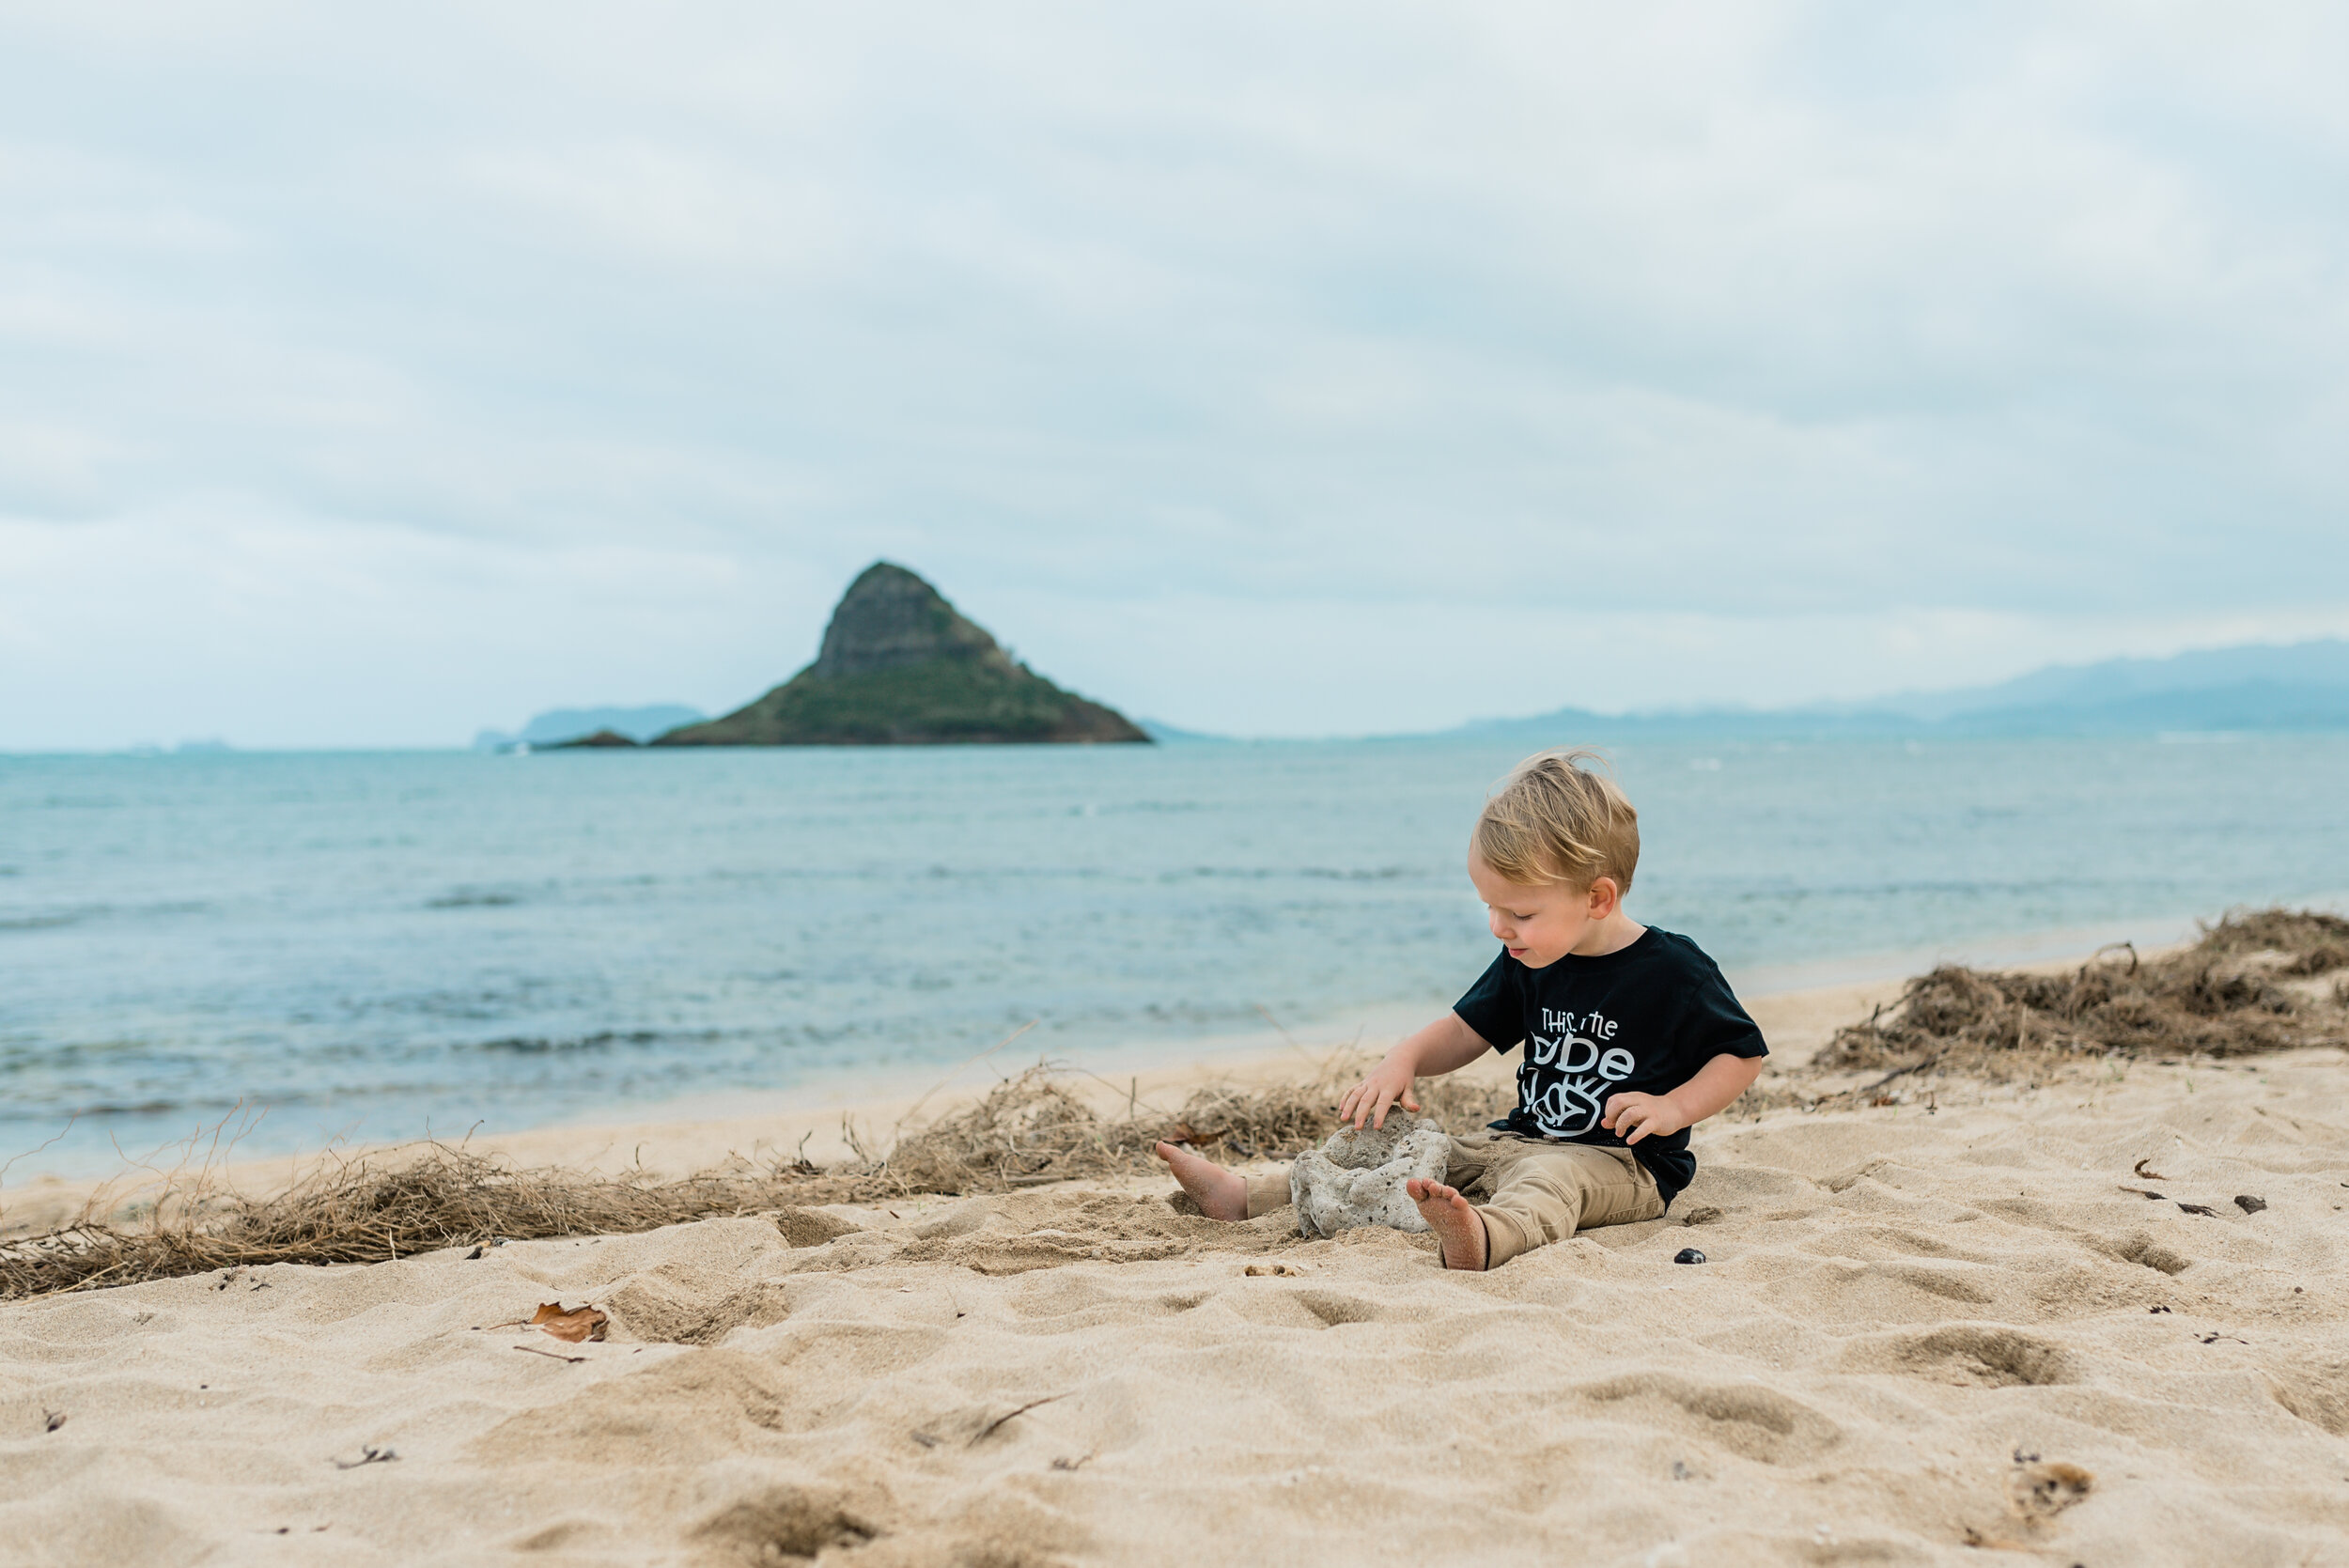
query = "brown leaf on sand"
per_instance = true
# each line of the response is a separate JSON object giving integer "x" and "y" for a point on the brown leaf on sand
{"x": 571, "y": 1326}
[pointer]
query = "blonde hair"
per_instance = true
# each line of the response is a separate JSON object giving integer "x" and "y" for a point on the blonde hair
{"x": 1558, "y": 818}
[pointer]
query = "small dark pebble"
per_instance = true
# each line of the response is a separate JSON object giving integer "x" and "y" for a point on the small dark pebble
{"x": 1687, "y": 1254}
{"x": 2249, "y": 1205}
{"x": 475, "y": 1254}
{"x": 52, "y": 1420}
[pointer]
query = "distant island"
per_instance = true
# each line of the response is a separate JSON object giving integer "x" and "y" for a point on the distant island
{"x": 899, "y": 666}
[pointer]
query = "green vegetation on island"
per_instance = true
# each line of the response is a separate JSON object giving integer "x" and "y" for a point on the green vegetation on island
{"x": 899, "y": 666}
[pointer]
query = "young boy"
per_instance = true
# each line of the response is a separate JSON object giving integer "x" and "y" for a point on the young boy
{"x": 1631, "y": 1037}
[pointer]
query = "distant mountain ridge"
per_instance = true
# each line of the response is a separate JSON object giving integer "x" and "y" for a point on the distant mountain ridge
{"x": 2300, "y": 687}
{"x": 2322, "y": 665}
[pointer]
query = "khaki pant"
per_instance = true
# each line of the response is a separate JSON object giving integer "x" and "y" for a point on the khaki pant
{"x": 1540, "y": 1192}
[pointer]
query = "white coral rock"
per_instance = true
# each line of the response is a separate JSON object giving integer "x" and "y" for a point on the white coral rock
{"x": 1357, "y": 1178}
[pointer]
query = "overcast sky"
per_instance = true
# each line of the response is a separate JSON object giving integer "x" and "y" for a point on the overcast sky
{"x": 374, "y": 375}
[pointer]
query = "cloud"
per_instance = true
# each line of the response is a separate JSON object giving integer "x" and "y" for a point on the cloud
{"x": 1554, "y": 353}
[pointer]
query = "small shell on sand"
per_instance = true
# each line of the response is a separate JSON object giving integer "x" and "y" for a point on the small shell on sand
{"x": 1356, "y": 1177}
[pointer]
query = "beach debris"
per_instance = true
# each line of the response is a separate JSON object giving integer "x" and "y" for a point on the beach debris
{"x": 424, "y": 1197}
{"x": 2249, "y": 1205}
{"x": 2138, "y": 1169}
{"x": 2233, "y": 993}
{"x": 571, "y": 1325}
{"x": 2039, "y": 1490}
{"x": 2141, "y": 1191}
{"x": 1276, "y": 1270}
{"x": 925, "y": 1439}
{"x": 369, "y": 1208}
{"x": 1034, "y": 1129}
{"x": 1703, "y": 1214}
{"x": 1031, "y": 1129}
{"x": 474, "y": 1254}
{"x": 371, "y": 1454}
{"x": 1001, "y": 1422}
{"x": 52, "y": 1420}
{"x": 1356, "y": 1178}
{"x": 1687, "y": 1254}
{"x": 2203, "y": 1210}
{"x": 550, "y": 1355}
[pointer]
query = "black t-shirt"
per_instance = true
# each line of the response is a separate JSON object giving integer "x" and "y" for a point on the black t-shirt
{"x": 1644, "y": 1020}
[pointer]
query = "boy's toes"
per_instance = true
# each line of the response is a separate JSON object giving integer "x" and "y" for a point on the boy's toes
{"x": 1457, "y": 1225}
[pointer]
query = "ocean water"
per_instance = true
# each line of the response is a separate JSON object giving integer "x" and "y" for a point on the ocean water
{"x": 371, "y": 945}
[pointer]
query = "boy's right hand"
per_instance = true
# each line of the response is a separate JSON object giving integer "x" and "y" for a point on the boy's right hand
{"x": 1388, "y": 1085}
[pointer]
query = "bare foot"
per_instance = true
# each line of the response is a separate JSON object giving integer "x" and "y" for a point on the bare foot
{"x": 1221, "y": 1194}
{"x": 1455, "y": 1222}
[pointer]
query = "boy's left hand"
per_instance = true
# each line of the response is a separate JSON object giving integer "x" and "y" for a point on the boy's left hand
{"x": 1632, "y": 1117}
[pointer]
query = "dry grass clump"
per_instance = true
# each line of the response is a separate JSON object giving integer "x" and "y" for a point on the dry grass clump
{"x": 369, "y": 1209}
{"x": 1033, "y": 1130}
{"x": 1027, "y": 1131}
{"x": 2253, "y": 983}
{"x": 1024, "y": 1132}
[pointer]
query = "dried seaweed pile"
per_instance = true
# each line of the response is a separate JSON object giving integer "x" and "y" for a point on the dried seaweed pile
{"x": 365, "y": 1210}
{"x": 2255, "y": 981}
{"x": 1027, "y": 1131}
{"x": 1030, "y": 1130}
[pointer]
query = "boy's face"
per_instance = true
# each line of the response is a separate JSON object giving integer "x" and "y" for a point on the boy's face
{"x": 1540, "y": 925}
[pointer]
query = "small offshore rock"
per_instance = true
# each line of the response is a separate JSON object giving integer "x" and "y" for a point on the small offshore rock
{"x": 1687, "y": 1254}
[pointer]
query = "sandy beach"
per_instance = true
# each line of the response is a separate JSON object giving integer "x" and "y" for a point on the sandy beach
{"x": 1918, "y": 1335}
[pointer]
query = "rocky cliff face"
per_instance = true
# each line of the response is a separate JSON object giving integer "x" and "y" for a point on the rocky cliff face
{"x": 900, "y": 666}
{"x": 889, "y": 620}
